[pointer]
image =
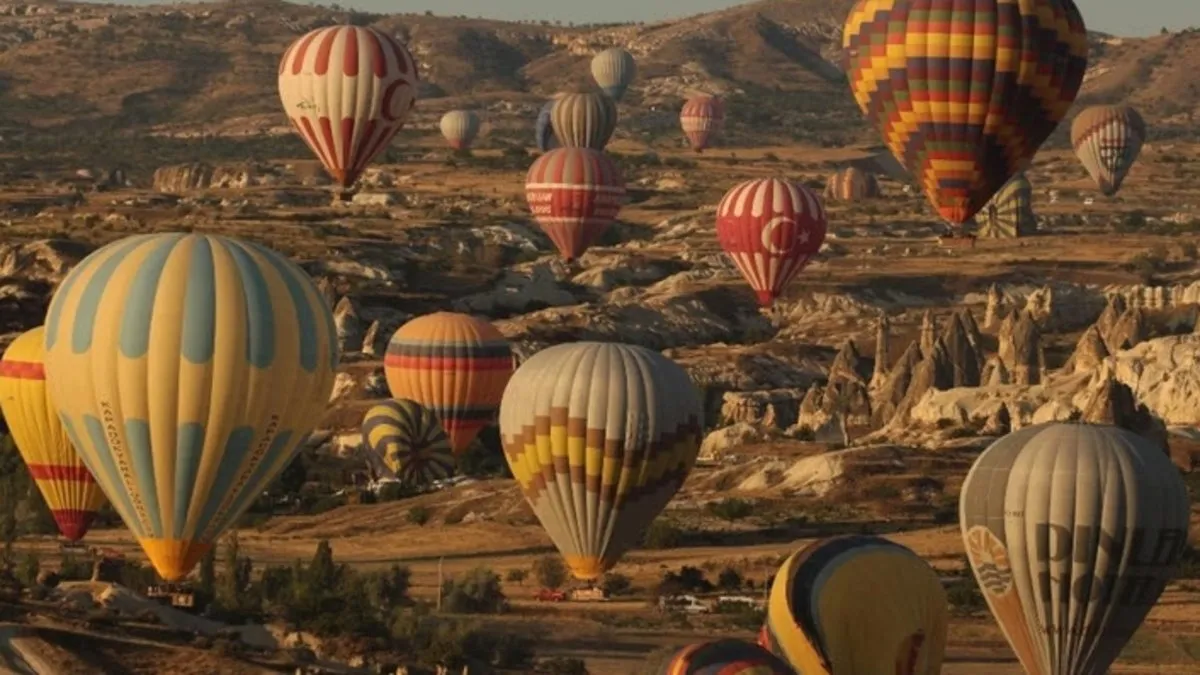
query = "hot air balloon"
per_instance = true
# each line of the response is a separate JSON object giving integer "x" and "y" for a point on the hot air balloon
{"x": 852, "y": 184}
{"x": 544, "y": 130}
{"x": 1107, "y": 139}
{"x": 187, "y": 370}
{"x": 453, "y": 364}
{"x": 965, "y": 103}
{"x": 721, "y": 657}
{"x": 410, "y": 441}
{"x": 575, "y": 194}
{"x": 857, "y": 605}
{"x": 1073, "y": 531}
{"x": 64, "y": 480}
{"x": 770, "y": 228}
{"x": 584, "y": 119}
{"x": 1010, "y": 213}
{"x": 460, "y": 127}
{"x": 701, "y": 118}
{"x": 613, "y": 69}
{"x": 347, "y": 90}
{"x": 600, "y": 436}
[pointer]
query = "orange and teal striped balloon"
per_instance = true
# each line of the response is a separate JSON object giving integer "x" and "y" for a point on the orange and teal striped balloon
{"x": 65, "y": 482}
{"x": 453, "y": 364}
{"x": 409, "y": 440}
{"x": 723, "y": 657}
{"x": 187, "y": 370}
{"x": 964, "y": 93}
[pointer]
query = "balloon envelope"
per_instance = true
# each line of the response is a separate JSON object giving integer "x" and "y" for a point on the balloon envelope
{"x": 702, "y": 117}
{"x": 614, "y": 69}
{"x": 347, "y": 90}
{"x": 1010, "y": 213}
{"x": 722, "y": 657}
{"x": 852, "y": 184}
{"x": 770, "y": 228}
{"x": 544, "y": 130}
{"x": 584, "y": 120}
{"x": 409, "y": 440}
{"x": 1107, "y": 139}
{"x": 453, "y": 364}
{"x": 460, "y": 127}
{"x": 857, "y": 605}
{"x": 574, "y": 194}
{"x": 600, "y": 436}
{"x": 964, "y": 102}
{"x": 1073, "y": 531}
{"x": 68, "y": 487}
{"x": 187, "y": 370}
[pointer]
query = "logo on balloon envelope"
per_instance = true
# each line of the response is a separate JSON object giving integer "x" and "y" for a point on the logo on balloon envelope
{"x": 1153, "y": 553}
{"x": 788, "y": 236}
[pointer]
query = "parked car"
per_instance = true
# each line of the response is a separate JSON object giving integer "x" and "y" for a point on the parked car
{"x": 549, "y": 595}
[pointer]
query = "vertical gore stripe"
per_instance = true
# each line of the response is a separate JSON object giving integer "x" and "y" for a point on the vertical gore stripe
{"x": 200, "y": 308}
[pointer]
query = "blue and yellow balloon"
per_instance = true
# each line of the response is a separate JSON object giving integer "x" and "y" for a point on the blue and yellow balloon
{"x": 187, "y": 369}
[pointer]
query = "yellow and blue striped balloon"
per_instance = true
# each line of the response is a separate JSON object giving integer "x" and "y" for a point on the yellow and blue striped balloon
{"x": 187, "y": 369}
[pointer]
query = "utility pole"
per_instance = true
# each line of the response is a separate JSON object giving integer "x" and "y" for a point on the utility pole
{"x": 440, "y": 584}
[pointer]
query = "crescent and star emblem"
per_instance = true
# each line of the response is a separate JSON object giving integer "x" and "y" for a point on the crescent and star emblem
{"x": 768, "y": 236}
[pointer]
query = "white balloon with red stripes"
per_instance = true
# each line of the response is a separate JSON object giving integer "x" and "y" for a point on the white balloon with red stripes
{"x": 347, "y": 90}
{"x": 770, "y": 228}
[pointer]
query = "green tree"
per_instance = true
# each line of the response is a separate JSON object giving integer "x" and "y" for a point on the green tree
{"x": 477, "y": 592}
{"x": 10, "y": 493}
{"x": 292, "y": 479}
{"x": 517, "y": 576}
{"x": 322, "y": 572}
{"x": 207, "y": 584}
{"x": 550, "y": 571}
{"x": 729, "y": 580}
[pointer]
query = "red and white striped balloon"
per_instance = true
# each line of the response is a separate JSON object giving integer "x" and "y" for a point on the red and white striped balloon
{"x": 701, "y": 118}
{"x": 575, "y": 194}
{"x": 347, "y": 90}
{"x": 770, "y": 228}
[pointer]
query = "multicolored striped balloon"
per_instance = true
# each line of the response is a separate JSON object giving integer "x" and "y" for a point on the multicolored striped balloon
{"x": 584, "y": 119}
{"x": 63, "y": 479}
{"x": 347, "y": 90}
{"x": 702, "y": 117}
{"x": 852, "y": 184}
{"x": 460, "y": 127}
{"x": 964, "y": 93}
{"x": 600, "y": 436}
{"x": 857, "y": 605}
{"x": 410, "y": 441}
{"x": 614, "y": 70}
{"x": 574, "y": 194}
{"x": 723, "y": 657}
{"x": 453, "y": 364}
{"x": 770, "y": 228}
{"x": 1010, "y": 213}
{"x": 1108, "y": 139}
{"x": 187, "y": 370}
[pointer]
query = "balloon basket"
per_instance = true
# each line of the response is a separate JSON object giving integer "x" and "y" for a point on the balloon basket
{"x": 72, "y": 547}
{"x": 957, "y": 241}
{"x": 175, "y": 595}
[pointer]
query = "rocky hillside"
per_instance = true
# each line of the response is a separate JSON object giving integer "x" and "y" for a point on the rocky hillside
{"x": 212, "y": 67}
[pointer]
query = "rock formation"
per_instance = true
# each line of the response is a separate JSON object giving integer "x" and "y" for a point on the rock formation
{"x": 961, "y": 349}
{"x": 1020, "y": 349}
{"x": 1129, "y": 331}
{"x": 1089, "y": 352}
{"x": 994, "y": 313}
{"x": 928, "y": 333}
{"x": 200, "y": 176}
{"x": 882, "y": 361}
{"x": 348, "y": 325}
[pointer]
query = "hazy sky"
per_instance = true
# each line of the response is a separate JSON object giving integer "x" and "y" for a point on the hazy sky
{"x": 1120, "y": 17}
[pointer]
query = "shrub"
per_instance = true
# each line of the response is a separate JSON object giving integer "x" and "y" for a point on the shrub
{"x": 419, "y": 515}
{"x": 729, "y": 580}
{"x": 616, "y": 584}
{"x": 516, "y": 575}
{"x": 550, "y": 571}
{"x": 662, "y": 534}
{"x": 731, "y": 508}
{"x": 478, "y": 592}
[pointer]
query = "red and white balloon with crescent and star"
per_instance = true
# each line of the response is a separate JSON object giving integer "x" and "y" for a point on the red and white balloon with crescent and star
{"x": 770, "y": 228}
